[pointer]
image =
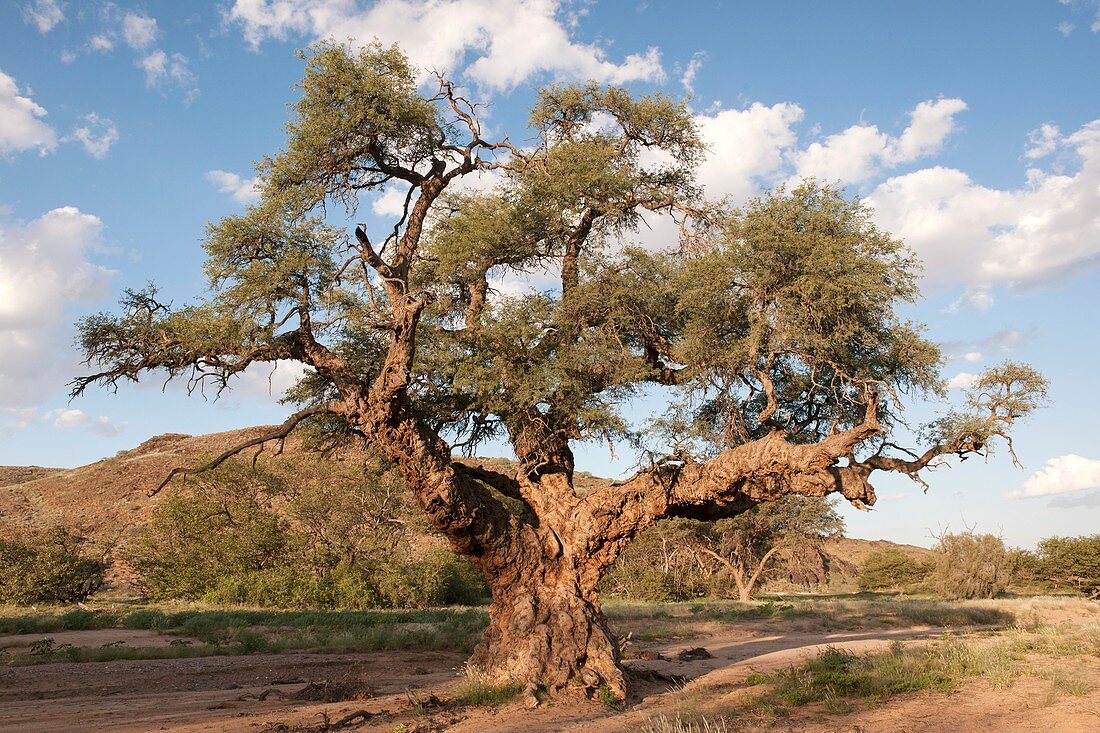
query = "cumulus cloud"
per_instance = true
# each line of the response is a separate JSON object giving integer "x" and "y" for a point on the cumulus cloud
{"x": 745, "y": 145}
{"x": 242, "y": 190}
{"x": 21, "y": 125}
{"x": 45, "y": 14}
{"x": 1061, "y": 475}
{"x": 1027, "y": 236}
{"x": 498, "y": 43}
{"x": 860, "y": 151}
{"x": 269, "y": 381}
{"x": 44, "y": 269}
{"x": 72, "y": 419}
{"x": 962, "y": 380}
{"x": 96, "y": 134}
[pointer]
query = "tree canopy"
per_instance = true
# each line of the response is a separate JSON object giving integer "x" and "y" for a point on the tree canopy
{"x": 771, "y": 330}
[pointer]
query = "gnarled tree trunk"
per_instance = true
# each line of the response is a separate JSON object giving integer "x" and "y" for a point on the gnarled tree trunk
{"x": 545, "y": 624}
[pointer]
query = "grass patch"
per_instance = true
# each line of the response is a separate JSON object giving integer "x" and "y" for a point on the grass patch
{"x": 662, "y": 724}
{"x": 478, "y": 690}
{"x": 835, "y": 676}
{"x": 244, "y": 631}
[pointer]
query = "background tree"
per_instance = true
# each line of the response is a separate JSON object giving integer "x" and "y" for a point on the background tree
{"x": 1070, "y": 563}
{"x": 746, "y": 546}
{"x": 772, "y": 331}
{"x": 971, "y": 565}
{"x": 891, "y": 569}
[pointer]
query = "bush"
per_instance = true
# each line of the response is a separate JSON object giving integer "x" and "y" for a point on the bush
{"x": 437, "y": 579}
{"x": 220, "y": 531}
{"x": 48, "y": 566}
{"x": 642, "y": 584}
{"x": 971, "y": 565}
{"x": 891, "y": 569}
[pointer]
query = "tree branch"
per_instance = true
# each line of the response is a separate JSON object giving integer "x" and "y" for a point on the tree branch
{"x": 278, "y": 433}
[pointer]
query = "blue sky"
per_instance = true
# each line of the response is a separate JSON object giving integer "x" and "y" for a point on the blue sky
{"x": 972, "y": 128}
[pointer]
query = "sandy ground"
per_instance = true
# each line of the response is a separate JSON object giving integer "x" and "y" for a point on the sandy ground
{"x": 221, "y": 693}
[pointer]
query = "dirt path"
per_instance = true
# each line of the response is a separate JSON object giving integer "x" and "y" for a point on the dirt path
{"x": 220, "y": 693}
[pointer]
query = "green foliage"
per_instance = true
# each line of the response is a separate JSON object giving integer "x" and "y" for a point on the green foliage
{"x": 607, "y": 696}
{"x": 891, "y": 569}
{"x": 48, "y": 566}
{"x": 970, "y": 565}
{"x": 321, "y": 538}
{"x": 477, "y": 689}
{"x": 223, "y": 528}
{"x": 1069, "y": 563}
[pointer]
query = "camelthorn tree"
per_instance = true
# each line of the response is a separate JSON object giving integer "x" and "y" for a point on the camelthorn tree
{"x": 770, "y": 330}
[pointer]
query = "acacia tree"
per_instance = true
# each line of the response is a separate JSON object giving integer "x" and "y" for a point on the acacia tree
{"x": 772, "y": 333}
{"x": 745, "y": 545}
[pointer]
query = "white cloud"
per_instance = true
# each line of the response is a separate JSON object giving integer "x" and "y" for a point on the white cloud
{"x": 242, "y": 190}
{"x": 139, "y": 31}
{"x": 97, "y": 135}
{"x": 979, "y": 297}
{"x": 745, "y": 145}
{"x": 390, "y": 203}
{"x": 862, "y": 150}
{"x": 1061, "y": 475}
{"x": 1044, "y": 141}
{"x": 688, "y": 78}
{"x": 67, "y": 419}
{"x": 43, "y": 13}
{"x": 161, "y": 68}
{"x": 1029, "y": 236}
{"x": 15, "y": 418}
{"x": 101, "y": 43}
{"x": 269, "y": 381}
{"x": 72, "y": 419}
{"x": 499, "y": 43}
{"x": 44, "y": 269}
{"x": 972, "y": 356}
{"x": 962, "y": 380}
{"x": 21, "y": 127}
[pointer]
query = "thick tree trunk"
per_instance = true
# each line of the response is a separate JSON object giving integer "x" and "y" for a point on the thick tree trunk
{"x": 546, "y": 626}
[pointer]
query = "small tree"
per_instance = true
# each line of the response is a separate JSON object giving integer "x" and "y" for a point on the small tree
{"x": 970, "y": 565}
{"x": 771, "y": 331}
{"x": 745, "y": 545}
{"x": 891, "y": 568}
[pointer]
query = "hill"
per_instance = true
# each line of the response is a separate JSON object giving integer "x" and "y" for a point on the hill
{"x": 109, "y": 499}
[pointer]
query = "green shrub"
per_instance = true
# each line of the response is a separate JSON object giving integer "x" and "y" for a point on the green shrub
{"x": 891, "y": 568}
{"x": 50, "y": 566}
{"x": 196, "y": 542}
{"x": 439, "y": 578}
{"x": 970, "y": 565}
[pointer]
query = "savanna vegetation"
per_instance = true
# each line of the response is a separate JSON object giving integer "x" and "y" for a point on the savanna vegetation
{"x": 52, "y": 565}
{"x": 770, "y": 331}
